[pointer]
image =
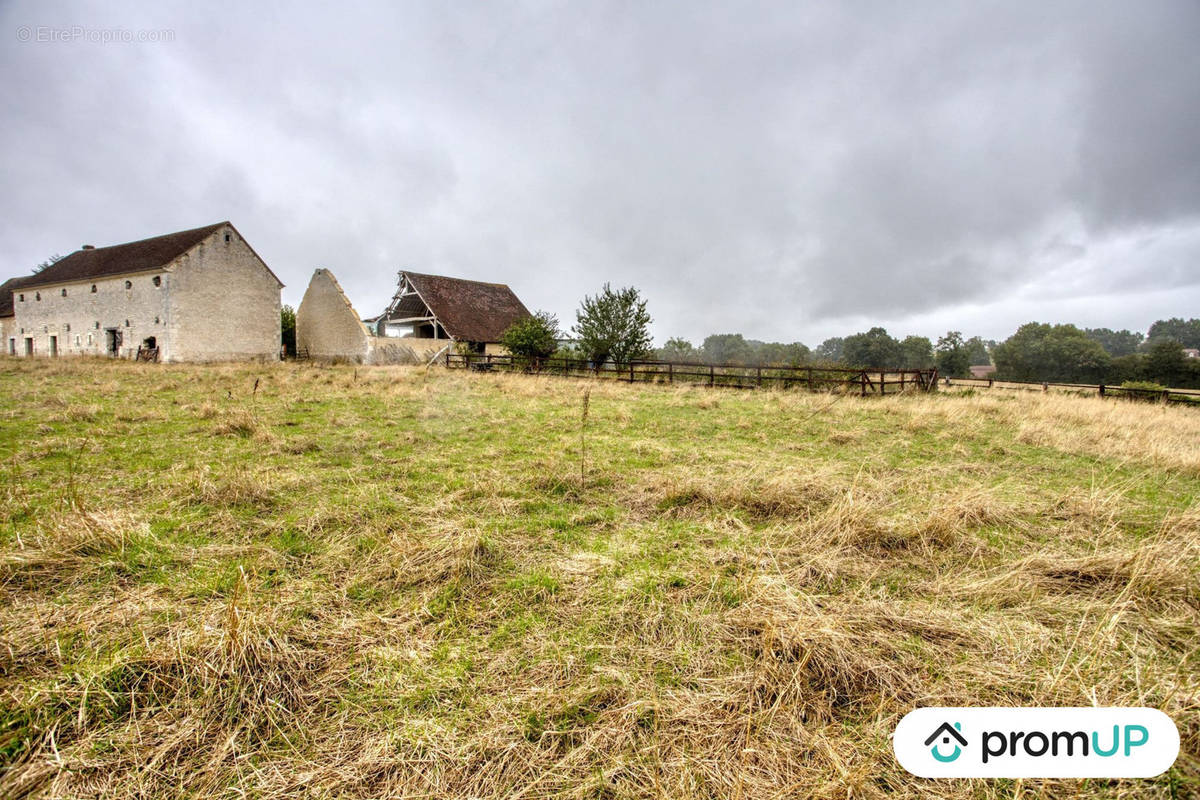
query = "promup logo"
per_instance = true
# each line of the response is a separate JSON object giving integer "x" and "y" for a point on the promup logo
{"x": 1036, "y": 742}
{"x": 946, "y": 733}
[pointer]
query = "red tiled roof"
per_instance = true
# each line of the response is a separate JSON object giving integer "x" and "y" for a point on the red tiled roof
{"x": 470, "y": 311}
{"x": 146, "y": 254}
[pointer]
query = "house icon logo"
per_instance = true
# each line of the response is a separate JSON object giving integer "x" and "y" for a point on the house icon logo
{"x": 945, "y": 732}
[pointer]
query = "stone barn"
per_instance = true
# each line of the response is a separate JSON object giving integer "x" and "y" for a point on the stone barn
{"x": 428, "y": 315}
{"x": 195, "y": 295}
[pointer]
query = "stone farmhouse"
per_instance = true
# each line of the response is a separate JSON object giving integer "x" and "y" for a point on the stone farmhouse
{"x": 428, "y": 315}
{"x": 195, "y": 295}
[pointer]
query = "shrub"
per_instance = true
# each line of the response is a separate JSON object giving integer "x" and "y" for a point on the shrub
{"x": 532, "y": 337}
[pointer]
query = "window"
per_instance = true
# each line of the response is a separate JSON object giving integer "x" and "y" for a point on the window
{"x": 97, "y": 324}
{"x": 126, "y": 323}
{"x": 89, "y": 340}
{"x": 37, "y": 296}
{"x": 93, "y": 288}
{"x": 156, "y": 322}
{"x": 67, "y": 327}
{"x": 64, "y": 291}
{"x": 227, "y": 237}
{"x": 158, "y": 280}
{"x": 128, "y": 284}
{"x": 77, "y": 340}
{"x": 21, "y": 297}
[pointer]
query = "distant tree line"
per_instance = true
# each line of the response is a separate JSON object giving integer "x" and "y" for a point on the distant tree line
{"x": 614, "y": 324}
{"x": 1067, "y": 354}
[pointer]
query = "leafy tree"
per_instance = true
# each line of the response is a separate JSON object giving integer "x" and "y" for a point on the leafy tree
{"x": 953, "y": 356}
{"x": 287, "y": 329}
{"x": 1115, "y": 343}
{"x": 1166, "y": 362}
{"x": 726, "y": 348}
{"x": 613, "y": 324}
{"x": 1186, "y": 332}
{"x": 778, "y": 353}
{"x": 678, "y": 349}
{"x": 875, "y": 348}
{"x": 916, "y": 352}
{"x": 1041, "y": 352}
{"x": 830, "y": 349}
{"x": 534, "y": 336}
{"x": 978, "y": 351}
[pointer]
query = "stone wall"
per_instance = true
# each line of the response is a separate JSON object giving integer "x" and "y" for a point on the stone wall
{"x": 80, "y": 320}
{"x": 327, "y": 326}
{"x": 406, "y": 350}
{"x": 224, "y": 303}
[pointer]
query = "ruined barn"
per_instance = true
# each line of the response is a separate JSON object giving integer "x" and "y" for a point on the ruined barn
{"x": 194, "y": 295}
{"x": 427, "y": 316}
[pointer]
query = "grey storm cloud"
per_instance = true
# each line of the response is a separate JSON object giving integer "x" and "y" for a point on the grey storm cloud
{"x": 790, "y": 171}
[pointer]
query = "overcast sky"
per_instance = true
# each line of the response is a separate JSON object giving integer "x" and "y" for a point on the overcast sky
{"x": 790, "y": 171}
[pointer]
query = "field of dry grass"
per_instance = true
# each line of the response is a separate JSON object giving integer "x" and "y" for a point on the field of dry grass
{"x": 295, "y": 581}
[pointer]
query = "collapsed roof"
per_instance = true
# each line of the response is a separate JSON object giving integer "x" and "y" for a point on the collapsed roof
{"x": 469, "y": 311}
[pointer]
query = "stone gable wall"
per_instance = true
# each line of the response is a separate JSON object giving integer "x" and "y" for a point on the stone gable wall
{"x": 224, "y": 303}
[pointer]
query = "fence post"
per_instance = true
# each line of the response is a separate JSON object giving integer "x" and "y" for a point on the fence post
{"x": 1102, "y": 390}
{"x": 670, "y": 373}
{"x": 810, "y": 382}
{"x": 1045, "y": 387}
{"x": 862, "y": 376}
{"x": 759, "y": 376}
{"x": 991, "y": 382}
{"x": 882, "y": 383}
{"x": 631, "y": 372}
{"x": 712, "y": 375}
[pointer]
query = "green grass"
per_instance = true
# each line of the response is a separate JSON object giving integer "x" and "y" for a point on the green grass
{"x": 363, "y": 582}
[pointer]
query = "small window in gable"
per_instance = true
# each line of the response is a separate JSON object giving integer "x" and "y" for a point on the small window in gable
{"x": 21, "y": 297}
{"x": 158, "y": 280}
{"x": 228, "y": 237}
{"x": 64, "y": 291}
{"x": 93, "y": 288}
{"x": 37, "y": 296}
{"x": 128, "y": 284}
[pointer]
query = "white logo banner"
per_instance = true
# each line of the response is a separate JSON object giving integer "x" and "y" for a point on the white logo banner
{"x": 1036, "y": 742}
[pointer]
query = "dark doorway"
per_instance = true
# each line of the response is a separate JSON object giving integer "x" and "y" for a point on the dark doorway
{"x": 28, "y": 346}
{"x": 149, "y": 343}
{"x": 113, "y": 341}
{"x": 53, "y": 346}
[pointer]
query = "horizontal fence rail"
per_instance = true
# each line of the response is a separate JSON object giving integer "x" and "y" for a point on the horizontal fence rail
{"x": 732, "y": 376}
{"x": 1102, "y": 390}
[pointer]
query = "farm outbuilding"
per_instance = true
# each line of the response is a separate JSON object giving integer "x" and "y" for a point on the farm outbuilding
{"x": 427, "y": 316}
{"x": 196, "y": 295}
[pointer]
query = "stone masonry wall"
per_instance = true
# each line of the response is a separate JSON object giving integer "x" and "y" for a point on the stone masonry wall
{"x": 80, "y": 319}
{"x": 224, "y": 303}
{"x": 327, "y": 326}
